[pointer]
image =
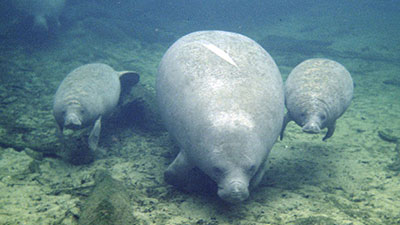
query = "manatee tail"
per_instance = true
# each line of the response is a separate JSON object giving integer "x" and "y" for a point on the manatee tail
{"x": 128, "y": 79}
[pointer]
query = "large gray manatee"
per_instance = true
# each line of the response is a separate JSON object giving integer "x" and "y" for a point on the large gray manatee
{"x": 318, "y": 91}
{"x": 86, "y": 95}
{"x": 41, "y": 10}
{"x": 220, "y": 95}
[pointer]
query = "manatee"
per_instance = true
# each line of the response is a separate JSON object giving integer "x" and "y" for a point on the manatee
{"x": 87, "y": 94}
{"x": 41, "y": 11}
{"x": 318, "y": 91}
{"x": 221, "y": 97}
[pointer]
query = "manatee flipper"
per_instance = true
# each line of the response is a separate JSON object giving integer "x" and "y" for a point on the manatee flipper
{"x": 59, "y": 131}
{"x": 177, "y": 173}
{"x": 331, "y": 130}
{"x": 127, "y": 79}
{"x": 95, "y": 134}
{"x": 60, "y": 134}
{"x": 255, "y": 181}
{"x": 286, "y": 120}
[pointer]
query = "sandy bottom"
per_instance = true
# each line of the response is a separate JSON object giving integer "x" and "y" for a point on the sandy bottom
{"x": 349, "y": 179}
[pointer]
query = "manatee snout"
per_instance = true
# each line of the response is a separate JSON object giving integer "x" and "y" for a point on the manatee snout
{"x": 312, "y": 127}
{"x": 314, "y": 122}
{"x": 72, "y": 121}
{"x": 235, "y": 192}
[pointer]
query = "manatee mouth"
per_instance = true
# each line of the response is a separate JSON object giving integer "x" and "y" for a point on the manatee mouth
{"x": 236, "y": 192}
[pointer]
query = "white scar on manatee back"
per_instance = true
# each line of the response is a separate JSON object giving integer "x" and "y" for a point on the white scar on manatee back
{"x": 219, "y": 52}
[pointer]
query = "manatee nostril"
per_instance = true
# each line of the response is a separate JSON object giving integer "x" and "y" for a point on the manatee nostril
{"x": 236, "y": 189}
{"x": 237, "y": 185}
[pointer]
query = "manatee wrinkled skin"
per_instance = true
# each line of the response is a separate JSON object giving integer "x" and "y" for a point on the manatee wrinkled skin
{"x": 221, "y": 97}
{"x": 317, "y": 91}
{"x": 86, "y": 95}
{"x": 41, "y": 11}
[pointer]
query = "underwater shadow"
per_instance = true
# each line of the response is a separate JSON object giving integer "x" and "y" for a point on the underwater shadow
{"x": 300, "y": 165}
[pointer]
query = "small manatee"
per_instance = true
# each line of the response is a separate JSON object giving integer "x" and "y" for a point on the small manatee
{"x": 86, "y": 95}
{"x": 317, "y": 92}
{"x": 41, "y": 11}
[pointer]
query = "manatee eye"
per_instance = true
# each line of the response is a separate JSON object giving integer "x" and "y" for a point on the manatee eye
{"x": 322, "y": 117}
